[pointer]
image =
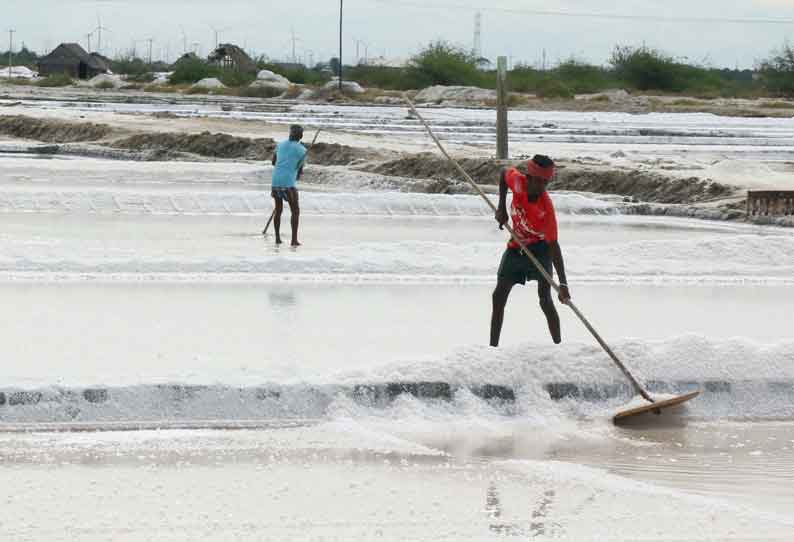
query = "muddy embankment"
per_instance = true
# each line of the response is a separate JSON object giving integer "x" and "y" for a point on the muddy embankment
{"x": 52, "y": 131}
{"x": 163, "y": 145}
{"x": 645, "y": 192}
{"x": 638, "y": 185}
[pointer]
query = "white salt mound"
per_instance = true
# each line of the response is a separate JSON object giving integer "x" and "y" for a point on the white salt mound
{"x": 104, "y": 79}
{"x": 347, "y": 86}
{"x": 161, "y": 77}
{"x": 209, "y": 82}
{"x": 266, "y": 78}
{"x": 18, "y": 72}
{"x": 441, "y": 93}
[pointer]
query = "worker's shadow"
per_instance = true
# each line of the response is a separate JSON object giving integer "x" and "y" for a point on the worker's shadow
{"x": 283, "y": 299}
{"x": 668, "y": 419}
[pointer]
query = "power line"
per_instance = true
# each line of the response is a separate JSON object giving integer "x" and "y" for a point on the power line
{"x": 593, "y": 15}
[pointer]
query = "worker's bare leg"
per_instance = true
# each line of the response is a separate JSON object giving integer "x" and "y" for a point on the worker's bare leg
{"x": 499, "y": 298}
{"x": 295, "y": 211}
{"x": 277, "y": 218}
{"x": 547, "y": 304}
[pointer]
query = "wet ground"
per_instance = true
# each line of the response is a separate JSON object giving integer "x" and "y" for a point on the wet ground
{"x": 151, "y": 284}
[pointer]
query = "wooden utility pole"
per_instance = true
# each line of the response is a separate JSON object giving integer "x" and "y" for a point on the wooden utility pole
{"x": 501, "y": 108}
{"x": 10, "y": 48}
{"x": 341, "y": 6}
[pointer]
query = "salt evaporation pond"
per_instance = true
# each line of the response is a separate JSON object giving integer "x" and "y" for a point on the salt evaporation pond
{"x": 141, "y": 295}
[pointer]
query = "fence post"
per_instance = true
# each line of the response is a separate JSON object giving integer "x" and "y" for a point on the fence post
{"x": 501, "y": 108}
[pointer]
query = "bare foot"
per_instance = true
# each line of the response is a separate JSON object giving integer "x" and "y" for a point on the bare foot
{"x": 295, "y": 243}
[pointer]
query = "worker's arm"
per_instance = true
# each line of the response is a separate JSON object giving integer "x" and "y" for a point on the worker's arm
{"x": 559, "y": 265}
{"x": 501, "y": 210}
{"x": 274, "y": 158}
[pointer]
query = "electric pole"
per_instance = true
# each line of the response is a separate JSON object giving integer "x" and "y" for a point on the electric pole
{"x": 294, "y": 58}
{"x": 10, "y": 48}
{"x": 341, "y": 6}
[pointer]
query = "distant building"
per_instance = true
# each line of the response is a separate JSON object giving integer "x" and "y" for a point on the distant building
{"x": 383, "y": 62}
{"x": 72, "y": 60}
{"x": 231, "y": 57}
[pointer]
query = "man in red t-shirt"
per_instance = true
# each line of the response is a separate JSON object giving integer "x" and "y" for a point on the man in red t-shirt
{"x": 535, "y": 225}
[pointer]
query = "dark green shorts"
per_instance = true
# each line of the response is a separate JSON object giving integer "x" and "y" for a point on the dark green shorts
{"x": 518, "y": 269}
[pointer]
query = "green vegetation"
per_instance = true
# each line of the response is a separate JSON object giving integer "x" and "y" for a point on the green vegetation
{"x": 777, "y": 73}
{"x": 62, "y": 80}
{"x": 24, "y": 57}
{"x": 298, "y": 75}
{"x": 636, "y": 69}
{"x": 631, "y": 68}
{"x": 130, "y": 65}
{"x": 647, "y": 69}
{"x": 105, "y": 85}
{"x": 235, "y": 78}
{"x": 444, "y": 64}
{"x": 191, "y": 70}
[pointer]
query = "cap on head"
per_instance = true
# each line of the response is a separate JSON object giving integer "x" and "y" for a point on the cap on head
{"x": 541, "y": 166}
{"x": 296, "y": 132}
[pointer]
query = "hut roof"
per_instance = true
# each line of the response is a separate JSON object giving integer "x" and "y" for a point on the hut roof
{"x": 240, "y": 57}
{"x": 72, "y": 52}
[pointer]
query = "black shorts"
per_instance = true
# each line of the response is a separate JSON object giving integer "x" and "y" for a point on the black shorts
{"x": 518, "y": 269}
{"x": 282, "y": 193}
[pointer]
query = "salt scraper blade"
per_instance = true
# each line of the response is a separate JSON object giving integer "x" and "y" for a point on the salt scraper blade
{"x": 655, "y": 407}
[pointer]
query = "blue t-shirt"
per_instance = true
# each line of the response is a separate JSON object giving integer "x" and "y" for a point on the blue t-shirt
{"x": 289, "y": 158}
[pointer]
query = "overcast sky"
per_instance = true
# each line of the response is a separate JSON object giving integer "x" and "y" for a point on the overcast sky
{"x": 716, "y": 32}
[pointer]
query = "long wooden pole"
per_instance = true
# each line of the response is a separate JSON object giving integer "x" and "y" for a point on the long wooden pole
{"x": 532, "y": 258}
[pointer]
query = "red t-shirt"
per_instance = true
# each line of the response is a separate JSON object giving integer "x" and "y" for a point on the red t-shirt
{"x": 533, "y": 221}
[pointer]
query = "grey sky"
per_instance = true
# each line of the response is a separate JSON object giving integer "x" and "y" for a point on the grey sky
{"x": 399, "y": 28}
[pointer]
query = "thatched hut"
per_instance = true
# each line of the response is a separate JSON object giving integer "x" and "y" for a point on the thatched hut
{"x": 231, "y": 57}
{"x": 72, "y": 60}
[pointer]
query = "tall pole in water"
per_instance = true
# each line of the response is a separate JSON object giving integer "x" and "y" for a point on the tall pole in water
{"x": 341, "y": 6}
{"x": 501, "y": 108}
{"x": 10, "y": 48}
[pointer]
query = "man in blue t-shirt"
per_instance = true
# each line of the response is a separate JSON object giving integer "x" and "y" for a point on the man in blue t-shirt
{"x": 288, "y": 160}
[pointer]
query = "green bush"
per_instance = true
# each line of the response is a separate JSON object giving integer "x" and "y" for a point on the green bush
{"x": 386, "y": 78}
{"x": 553, "y": 88}
{"x": 61, "y": 80}
{"x": 192, "y": 70}
{"x": 645, "y": 69}
{"x": 777, "y": 72}
{"x": 648, "y": 69}
{"x": 236, "y": 78}
{"x": 584, "y": 78}
{"x": 130, "y": 65}
{"x": 441, "y": 63}
{"x": 105, "y": 85}
{"x": 523, "y": 78}
{"x": 24, "y": 57}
